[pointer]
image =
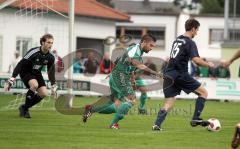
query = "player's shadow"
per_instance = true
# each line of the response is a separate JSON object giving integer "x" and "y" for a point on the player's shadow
{"x": 63, "y": 105}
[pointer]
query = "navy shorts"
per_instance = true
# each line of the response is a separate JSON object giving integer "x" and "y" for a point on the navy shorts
{"x": 28, "y": 76}
{"x": 182, "y": 81}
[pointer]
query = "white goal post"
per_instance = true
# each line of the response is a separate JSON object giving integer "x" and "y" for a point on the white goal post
{"x": 43, "y": 3}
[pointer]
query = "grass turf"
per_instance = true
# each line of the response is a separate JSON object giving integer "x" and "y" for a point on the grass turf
{"x": 50, "y": 129}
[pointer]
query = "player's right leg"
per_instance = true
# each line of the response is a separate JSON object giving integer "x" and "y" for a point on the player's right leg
{"x": 236, "y": 137}
{"x": 32, "y": 85}
{"x": 109, "y": 110}
{"x": 188, "y": 84}
{"x": 101, "y": 105}
{"x": 169, "y": 92}
{"x": 122, "y": 90}
{"x": 199, "y": 106}
{"x": 168, "y": 104}
{"x": 125, "y": 105}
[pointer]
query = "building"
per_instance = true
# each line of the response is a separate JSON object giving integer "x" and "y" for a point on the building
{"x": 166, "y": 21}
{"x": 157, "y": 18}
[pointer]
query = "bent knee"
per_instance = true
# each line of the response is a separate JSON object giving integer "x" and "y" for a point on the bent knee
{"x": 34, "y": 87}
{"x": 203, "y": 93}
{"x": 238, "y": 125}
{"x": 33, "y": 84}
{"x": 43, "y": 93}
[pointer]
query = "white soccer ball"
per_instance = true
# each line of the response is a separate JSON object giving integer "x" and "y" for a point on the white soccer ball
{"x": 214, "y": 125}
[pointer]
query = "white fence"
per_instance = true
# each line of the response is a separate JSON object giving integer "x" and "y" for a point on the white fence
{"x": 219, "y": 89}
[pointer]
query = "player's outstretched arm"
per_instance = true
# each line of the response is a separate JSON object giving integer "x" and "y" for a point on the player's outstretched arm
{"x": 231, "y": 60}
{"x": 201, "y": 62}
{"x": 143, "y": 67}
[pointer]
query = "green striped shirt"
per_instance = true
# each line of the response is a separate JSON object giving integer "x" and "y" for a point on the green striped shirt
{"x": 124, "y": 64}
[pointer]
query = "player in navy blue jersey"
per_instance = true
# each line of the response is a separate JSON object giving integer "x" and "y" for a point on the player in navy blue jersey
{"x": 29, "y": 69}
{"x": 183, "y": 50}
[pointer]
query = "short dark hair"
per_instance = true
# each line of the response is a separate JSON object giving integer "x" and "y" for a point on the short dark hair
{"x": 148, "y": 37}
{"x": 191, "y": 23}
{"x": 45, "y": 37}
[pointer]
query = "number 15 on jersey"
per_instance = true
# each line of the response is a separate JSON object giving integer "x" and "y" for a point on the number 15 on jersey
{"x": 175, "y": 50}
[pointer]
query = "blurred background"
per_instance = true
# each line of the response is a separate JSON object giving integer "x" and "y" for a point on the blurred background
{"x": 104, "y": 28}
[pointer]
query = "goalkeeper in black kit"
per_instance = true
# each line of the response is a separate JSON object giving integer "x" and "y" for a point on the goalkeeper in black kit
{"x": 29, "y": 69}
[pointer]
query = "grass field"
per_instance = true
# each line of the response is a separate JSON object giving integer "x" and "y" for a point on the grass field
{"x": 50, "y": 129}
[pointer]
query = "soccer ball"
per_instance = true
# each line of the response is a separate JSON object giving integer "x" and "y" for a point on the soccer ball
{"x": 214, "y": 125}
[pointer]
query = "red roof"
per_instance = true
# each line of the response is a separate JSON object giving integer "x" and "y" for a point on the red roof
{"x": 89, "y": 8}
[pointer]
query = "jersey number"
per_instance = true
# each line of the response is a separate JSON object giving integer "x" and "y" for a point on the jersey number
{"x": 175, "y": 49}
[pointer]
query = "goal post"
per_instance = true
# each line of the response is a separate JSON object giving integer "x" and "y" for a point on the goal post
{"x": 71, "y": 48}
{"x": 38, "y": 18}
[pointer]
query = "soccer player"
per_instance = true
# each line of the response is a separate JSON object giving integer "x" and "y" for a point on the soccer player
{"x": 138, "y": 84}
{"x": 122, "y": 92}
{"x": 233, "y": 58}
{"x": 183, "y": 50}
{"x": 29, "y": 69}
{"x": 236, "y": 137}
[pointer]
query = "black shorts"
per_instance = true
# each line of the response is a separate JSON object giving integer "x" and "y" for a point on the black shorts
{"x": 28, "y": 76}
{"x": 182, "y": 81}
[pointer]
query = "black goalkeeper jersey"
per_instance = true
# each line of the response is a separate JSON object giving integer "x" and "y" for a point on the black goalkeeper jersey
{"x": 183, "y": 50}
{"x": 33, "y": 62}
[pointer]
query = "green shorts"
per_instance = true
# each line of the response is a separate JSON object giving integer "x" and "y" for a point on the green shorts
{"x": 120, "y": 85}
{"x": 140, "y": 82}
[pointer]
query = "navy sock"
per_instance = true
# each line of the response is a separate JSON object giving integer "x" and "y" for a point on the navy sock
{"x": 161, "y": 117}
{"x": 200, "y": 102}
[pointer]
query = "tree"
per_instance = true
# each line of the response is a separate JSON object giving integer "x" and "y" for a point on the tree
{"x": 185, "y": 4}
{"x": 209, "y": 6}
{"x": 106, "y": 2}
{"x": 212, "y": 6}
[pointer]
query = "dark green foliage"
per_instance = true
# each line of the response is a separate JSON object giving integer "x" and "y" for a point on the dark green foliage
{"x": 211, "y": 6}
{"x": 106, "y": 2}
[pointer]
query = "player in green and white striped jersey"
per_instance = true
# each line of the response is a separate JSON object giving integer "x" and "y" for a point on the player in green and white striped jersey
{"x": 122, "y": 92}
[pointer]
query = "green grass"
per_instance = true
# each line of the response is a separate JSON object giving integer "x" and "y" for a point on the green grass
{"x": 50, "y": 129}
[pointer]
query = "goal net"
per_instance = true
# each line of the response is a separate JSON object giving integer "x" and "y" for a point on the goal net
{"x": 23, "y": 22}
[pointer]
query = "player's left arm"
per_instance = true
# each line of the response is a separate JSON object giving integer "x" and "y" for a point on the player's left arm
{"x": 51, "y": 71}
{"x": 51, "y": 77}
{"x": 196, "y": 58}
{"x": 201, "y": 62}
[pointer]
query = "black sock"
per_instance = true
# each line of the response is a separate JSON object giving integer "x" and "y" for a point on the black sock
{"x": 35, "y": 100}
{"x": 29, "y": 96}
{"x": 200, "y": 102}
{"x": 161, "y": 117}
{"x": 238, "y": 131}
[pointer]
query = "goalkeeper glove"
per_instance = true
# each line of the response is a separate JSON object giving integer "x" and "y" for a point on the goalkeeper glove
{"x": 8, "y": 84}
{"x": 54, "y": 88}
